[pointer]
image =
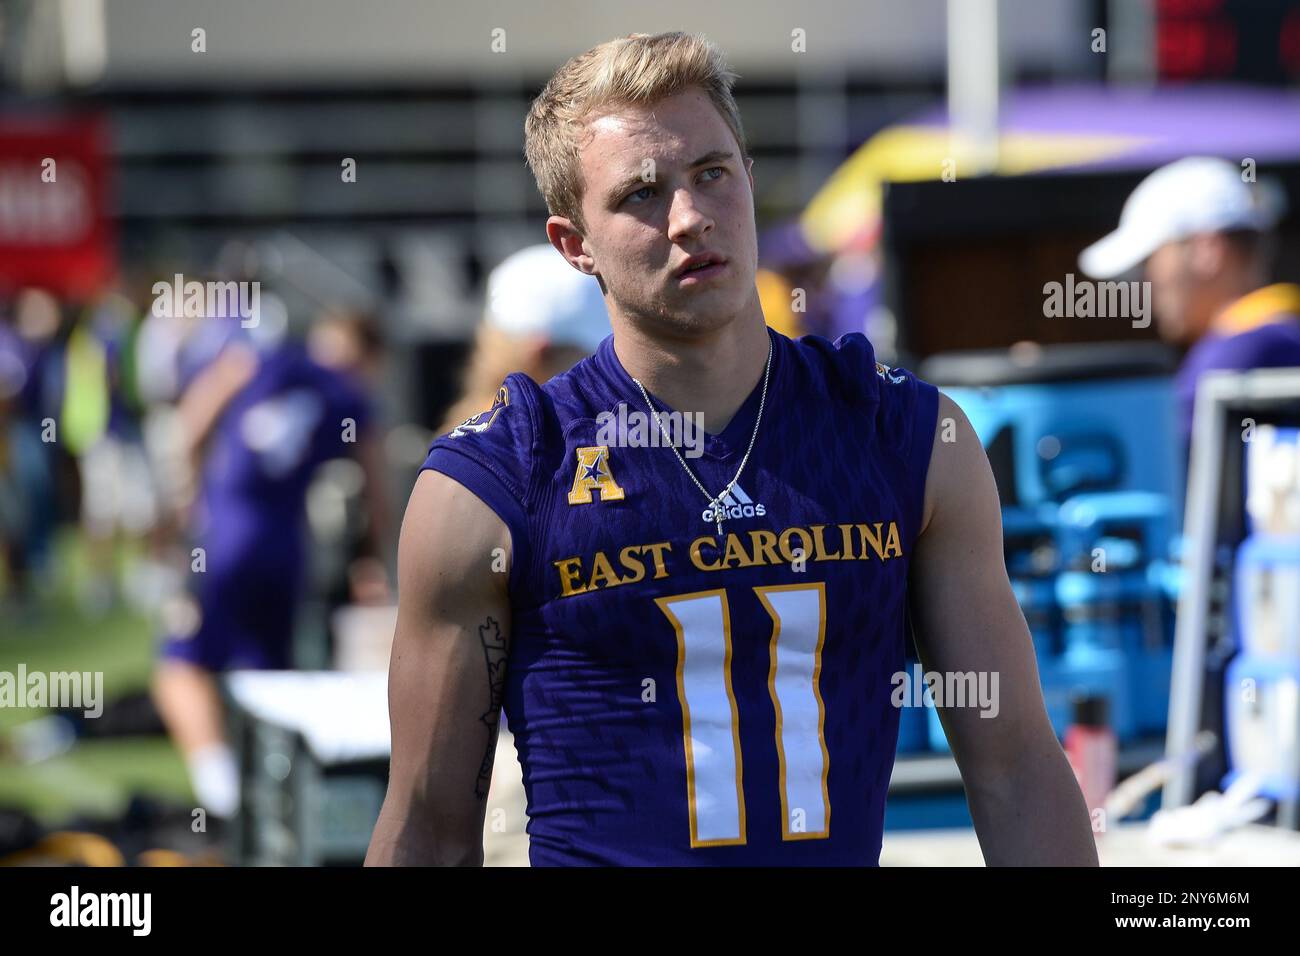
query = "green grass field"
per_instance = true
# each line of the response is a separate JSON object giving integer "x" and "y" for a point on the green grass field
{"x": 96, "y": 777}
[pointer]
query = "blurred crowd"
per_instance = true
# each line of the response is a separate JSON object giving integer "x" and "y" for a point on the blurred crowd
{"x": 110, "y": 419}
{"x": 183, "y": 449}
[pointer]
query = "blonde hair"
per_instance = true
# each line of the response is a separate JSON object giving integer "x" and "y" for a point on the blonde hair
{"x": 640, "y": 69}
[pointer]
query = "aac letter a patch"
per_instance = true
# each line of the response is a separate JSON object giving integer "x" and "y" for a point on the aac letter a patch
{"x": 594, "y": 475}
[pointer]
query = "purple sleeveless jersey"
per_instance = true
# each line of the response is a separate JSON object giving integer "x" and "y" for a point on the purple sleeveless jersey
{"x": 680, "y": 697}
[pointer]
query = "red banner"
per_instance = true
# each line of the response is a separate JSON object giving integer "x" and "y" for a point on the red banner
{"x": 54, "y": 230}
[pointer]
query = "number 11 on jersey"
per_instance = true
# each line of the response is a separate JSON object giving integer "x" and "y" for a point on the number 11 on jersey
{"x": 711, "y": 721}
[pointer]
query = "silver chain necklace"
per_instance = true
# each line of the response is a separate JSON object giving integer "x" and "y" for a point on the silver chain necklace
{"x": 715, "y": 503}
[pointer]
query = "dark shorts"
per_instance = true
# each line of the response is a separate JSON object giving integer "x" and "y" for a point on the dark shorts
{"x": 245, "y": 620}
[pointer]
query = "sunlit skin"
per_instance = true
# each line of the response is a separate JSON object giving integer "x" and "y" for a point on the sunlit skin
{"x": 701, "y": 340}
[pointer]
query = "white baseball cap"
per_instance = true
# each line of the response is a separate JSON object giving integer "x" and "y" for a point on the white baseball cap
{"x": 1194, "y": 195}
{"x": 536, "y": 292}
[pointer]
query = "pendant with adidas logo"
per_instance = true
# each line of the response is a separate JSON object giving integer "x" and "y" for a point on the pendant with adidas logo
{"x": 735, "y": 504}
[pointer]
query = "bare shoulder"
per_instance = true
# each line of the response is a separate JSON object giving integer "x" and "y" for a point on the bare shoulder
{"x": 451, "y": 544}
{"x": 959, "y": 480}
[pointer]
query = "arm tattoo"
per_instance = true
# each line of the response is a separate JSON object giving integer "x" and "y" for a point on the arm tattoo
{"x": 494, "y": 652}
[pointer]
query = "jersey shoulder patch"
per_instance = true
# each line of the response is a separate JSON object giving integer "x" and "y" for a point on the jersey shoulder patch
{"x": 477, "y": 424}
{"x": 500, "y": 440}
{"x": 889, "y": 375}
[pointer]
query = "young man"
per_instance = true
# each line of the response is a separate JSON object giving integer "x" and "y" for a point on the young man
{"x": 696, "y": 651}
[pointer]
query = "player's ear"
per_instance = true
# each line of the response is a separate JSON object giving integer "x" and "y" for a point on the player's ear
{"x": 749, "y": 169}
{"x": 567, "y": 239}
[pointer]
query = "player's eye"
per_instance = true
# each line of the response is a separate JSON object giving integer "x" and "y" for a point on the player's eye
{"x": 630, "y": 197}
{"x": 715, "y": 169}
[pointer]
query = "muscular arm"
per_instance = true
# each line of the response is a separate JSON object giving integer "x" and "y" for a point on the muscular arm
{"x": 446, "y": 678}
{"x": 1023, "y": 797}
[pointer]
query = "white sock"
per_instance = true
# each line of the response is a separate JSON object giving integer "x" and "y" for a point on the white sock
{"x": 215, "y": 779}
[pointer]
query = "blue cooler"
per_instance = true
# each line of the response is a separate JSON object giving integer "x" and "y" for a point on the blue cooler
{"x": 1126, "y": 600}
{"x": 1094, "y": 662}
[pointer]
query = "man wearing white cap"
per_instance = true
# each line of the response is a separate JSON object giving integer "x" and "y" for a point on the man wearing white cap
{"x": 542, "y": 316}
{"x": 1202, "y": 236}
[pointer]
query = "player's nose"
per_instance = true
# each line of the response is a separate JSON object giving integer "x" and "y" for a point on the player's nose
{"x": 685, "y": 219}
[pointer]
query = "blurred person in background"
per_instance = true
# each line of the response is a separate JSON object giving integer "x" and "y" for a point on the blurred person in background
{"x": 1202, "y": 236}
{"x": 541, "y": 318}
{"x": 159, "y": 344}
{"x": 260, "y": 414}
{"x": 103, "y": 425}
{"x": 16, "y": 461}
{"x": 30, "y": 395}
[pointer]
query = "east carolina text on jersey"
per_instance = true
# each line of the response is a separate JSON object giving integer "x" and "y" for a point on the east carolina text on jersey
{"x": 848, "y": 542}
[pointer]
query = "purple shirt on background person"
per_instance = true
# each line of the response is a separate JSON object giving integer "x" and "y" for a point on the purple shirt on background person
{"x": 265, "y": 449}
{"x": 14, "y": 365}
{"x": 293, "y": 416}
{"x": 1260, "y": 330}
{"x": 35, "y": 369}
